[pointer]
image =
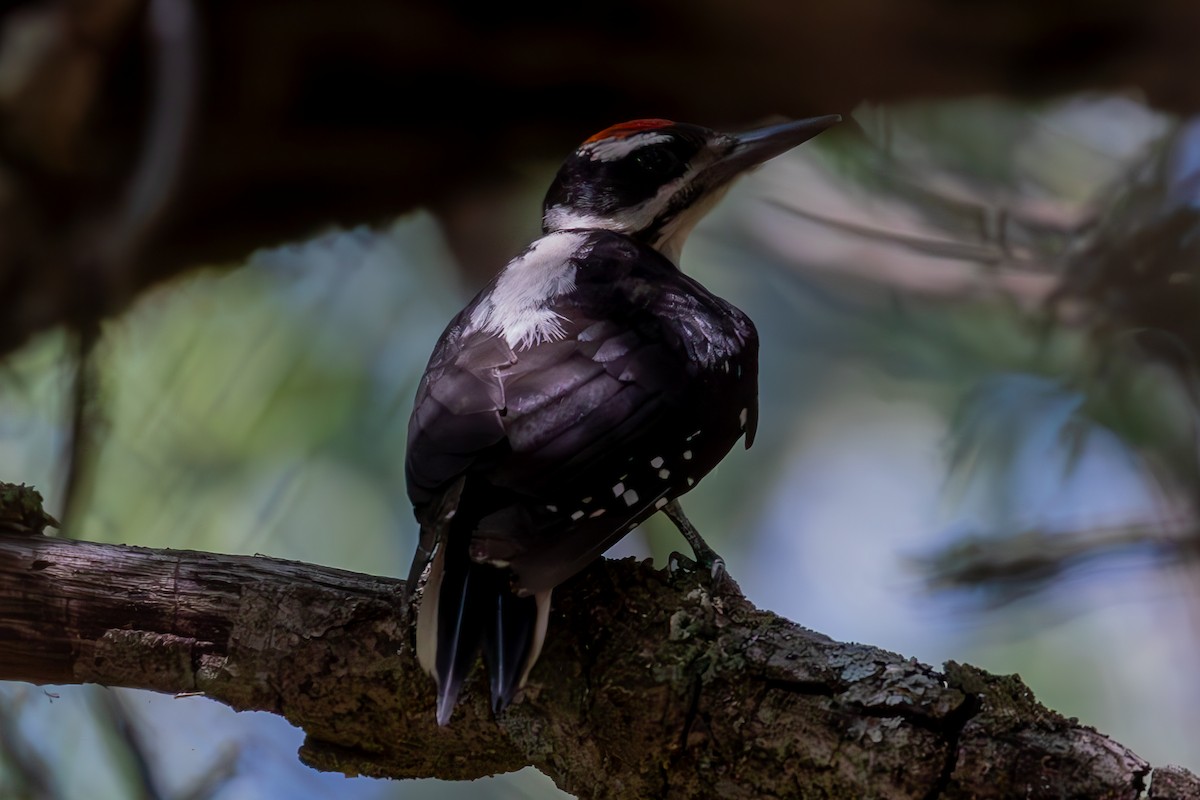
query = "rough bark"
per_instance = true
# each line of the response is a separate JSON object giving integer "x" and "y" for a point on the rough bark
{"x": 651, "y": 685}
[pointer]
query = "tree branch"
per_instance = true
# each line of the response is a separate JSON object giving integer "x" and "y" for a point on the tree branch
{"x": 650, "y": 686}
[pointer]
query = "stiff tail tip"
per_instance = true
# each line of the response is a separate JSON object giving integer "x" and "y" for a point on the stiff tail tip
{"x": 473, "y": 608}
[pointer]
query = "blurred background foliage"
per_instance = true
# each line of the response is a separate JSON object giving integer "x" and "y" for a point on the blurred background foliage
{"x": 977, "y": 436}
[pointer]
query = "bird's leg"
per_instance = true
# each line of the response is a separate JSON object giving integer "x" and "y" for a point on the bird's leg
{"x": 705, "y": 555}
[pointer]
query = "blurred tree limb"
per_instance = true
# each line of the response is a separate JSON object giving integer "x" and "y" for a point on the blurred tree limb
{"x": 649, "y": 687}
{"x": 143, "y": 138}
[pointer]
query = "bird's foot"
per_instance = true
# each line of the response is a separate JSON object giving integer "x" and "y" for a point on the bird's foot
{"x": 706, "y": 557}
{"x": 715, "y": 567}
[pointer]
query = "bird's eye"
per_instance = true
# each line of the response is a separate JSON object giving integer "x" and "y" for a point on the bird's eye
{"x": 655, "y": 160}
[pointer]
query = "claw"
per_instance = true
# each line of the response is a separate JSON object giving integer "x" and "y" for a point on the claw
{"x": 677, "y": 562}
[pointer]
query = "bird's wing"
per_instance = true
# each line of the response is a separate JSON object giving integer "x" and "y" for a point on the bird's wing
{"x": 528, "y": 421}
{"x": 540, "y": 427}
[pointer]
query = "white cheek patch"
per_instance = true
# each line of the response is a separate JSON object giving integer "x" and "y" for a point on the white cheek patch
{"x": 565, "y": 218}
{"x": 616, "y": 149}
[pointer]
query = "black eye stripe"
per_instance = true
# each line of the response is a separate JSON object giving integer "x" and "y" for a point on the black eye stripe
{"x": 658, "y": 160}
{"x": 641, "y": 174}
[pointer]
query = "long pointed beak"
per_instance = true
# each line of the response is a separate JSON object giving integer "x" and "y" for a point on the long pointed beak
{"x": 754, "y": 147}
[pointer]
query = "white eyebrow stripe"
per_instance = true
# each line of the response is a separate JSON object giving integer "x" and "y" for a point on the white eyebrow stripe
{"x": 615, "y": 149}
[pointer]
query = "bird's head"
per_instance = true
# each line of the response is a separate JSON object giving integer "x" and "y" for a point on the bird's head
{"x": 654, "y": 179}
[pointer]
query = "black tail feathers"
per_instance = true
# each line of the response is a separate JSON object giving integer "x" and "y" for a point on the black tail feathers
{"x": 478, "y": 610}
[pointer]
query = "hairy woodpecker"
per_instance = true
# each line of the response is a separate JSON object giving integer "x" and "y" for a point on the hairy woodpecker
{"x": 589, "y": 385}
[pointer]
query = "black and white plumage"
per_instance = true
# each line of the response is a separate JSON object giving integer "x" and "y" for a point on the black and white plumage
{"x": 586, "y": 387}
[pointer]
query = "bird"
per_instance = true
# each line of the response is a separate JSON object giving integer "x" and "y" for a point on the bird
{"x": 587, "y": 387}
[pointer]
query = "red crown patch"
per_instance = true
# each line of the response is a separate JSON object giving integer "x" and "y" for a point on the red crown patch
{"x": 624, "y": 129}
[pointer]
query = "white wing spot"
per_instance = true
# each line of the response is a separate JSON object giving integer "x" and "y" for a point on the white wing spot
{"x": 577, "y": 515}
{"x": 693, "y": 436}
{"x": 552, "y": 509}
{"x": 742, "y": 417}
{"x": 586, "y": 500}
{"x": 664, "y": 473}
{"x": 656, "y": 462}
{"x": 660, "y": 502}
{"x": 691, "y": 482}
{"x": 630, "y": 497}
{"x": 687, "y": 455}
{"x": 598, "y": 512}
{"x": 618, "y": 490}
